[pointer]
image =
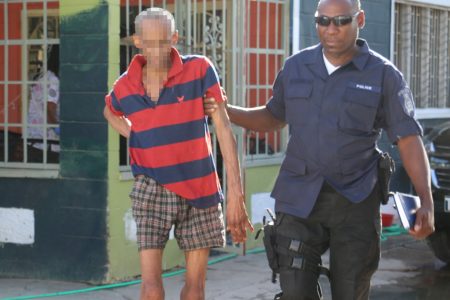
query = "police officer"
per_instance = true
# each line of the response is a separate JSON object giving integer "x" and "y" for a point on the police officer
{"x": 336, "y": 97}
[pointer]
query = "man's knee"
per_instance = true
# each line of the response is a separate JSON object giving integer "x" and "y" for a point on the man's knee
{"x": 300, "y": 268}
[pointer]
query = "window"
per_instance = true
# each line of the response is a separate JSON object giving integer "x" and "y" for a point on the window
{"x": 265, "y": 54}
{"x": 29, "y": 62}
{"x": 422, "y": 51}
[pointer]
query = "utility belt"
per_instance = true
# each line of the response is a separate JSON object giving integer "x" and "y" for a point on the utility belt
{"x": 386, "y": 167}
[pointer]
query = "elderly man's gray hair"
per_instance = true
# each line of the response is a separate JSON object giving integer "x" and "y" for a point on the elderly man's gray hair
{"x": 155, "y": 13}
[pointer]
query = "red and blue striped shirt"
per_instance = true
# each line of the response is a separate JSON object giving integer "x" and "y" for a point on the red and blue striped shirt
{"x": 169, "y": 139}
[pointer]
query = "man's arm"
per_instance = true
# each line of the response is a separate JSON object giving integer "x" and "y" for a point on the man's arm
{"x": 237, "y": 218}
{"x": 52, "y": 113}
{"x": 415, "y": 161}
{"x": 120, "y": 124}
{"x": 255, "y": 118}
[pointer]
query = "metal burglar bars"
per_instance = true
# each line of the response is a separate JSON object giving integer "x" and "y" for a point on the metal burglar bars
{"x": 247, "y": 42}
{"x": 422, "y": 51}
{"x": 29, "y": 32}
{"x": 266, "y": 47}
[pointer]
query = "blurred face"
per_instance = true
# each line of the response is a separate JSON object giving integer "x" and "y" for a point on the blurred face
{"x": 337, "y": 24}
{"x": 155, "y": 40}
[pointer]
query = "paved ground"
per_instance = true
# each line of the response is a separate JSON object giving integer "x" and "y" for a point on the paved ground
{"x": 408, "y": 270}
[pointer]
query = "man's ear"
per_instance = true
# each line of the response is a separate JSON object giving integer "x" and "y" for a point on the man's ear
{"x": 174, "y": 39}
{"x": 137, "y": 40}
{"x": 361, "y": 19}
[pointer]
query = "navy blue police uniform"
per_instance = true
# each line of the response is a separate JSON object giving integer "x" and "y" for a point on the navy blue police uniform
{"x": 326, "y": 193}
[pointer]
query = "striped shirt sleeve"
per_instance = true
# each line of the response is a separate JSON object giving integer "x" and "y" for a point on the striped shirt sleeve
{"x": 113, "y": 104}
{"x": 212, "y": 82}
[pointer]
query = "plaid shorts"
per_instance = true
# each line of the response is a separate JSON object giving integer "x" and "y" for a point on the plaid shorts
{"x": 156, "y": 209}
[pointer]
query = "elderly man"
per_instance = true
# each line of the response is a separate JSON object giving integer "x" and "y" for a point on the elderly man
{"x": 336, "y": 98}
{"x": 176, "y": 182}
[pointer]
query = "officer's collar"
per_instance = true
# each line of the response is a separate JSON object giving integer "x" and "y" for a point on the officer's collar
{"x": 359, "y": 60}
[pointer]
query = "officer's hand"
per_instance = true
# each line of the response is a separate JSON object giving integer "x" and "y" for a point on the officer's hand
{"x": 424, "y": 223}
{"x": 237, "y": 217}
{"x": 210, "y": 104}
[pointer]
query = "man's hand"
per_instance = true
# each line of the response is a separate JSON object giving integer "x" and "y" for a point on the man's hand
{"x": 416, "y": 164}
{"x": 126, "y": 127}
{"x": 424, "y": 225}
{"x": 237, "y": 217}
{"x": 121, "y": 124}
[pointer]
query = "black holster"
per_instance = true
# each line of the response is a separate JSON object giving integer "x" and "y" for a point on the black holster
{"x": 269, "y": 244}
{"x": 386, "y": 167}
{"x": 301, "y": 255}
{"x": 269, "y": 240}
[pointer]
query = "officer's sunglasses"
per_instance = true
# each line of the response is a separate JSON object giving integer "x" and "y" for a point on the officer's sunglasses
{"x": 337, "y": 21}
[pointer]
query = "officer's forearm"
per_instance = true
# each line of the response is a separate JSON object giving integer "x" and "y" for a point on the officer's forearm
{"x": 416, "y": 164}
{"x": 255, "y": 118}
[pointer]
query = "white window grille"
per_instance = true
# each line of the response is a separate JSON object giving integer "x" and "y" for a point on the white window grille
{"x": 29, "y": 60}
{"x": 265, "y": 50}
{"x": 422, "y": 51}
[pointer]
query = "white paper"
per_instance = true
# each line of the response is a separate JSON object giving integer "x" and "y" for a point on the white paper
{"x": 260, "y": 202}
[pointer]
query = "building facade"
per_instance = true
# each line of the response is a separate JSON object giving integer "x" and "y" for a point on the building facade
{"x": 64, "y": 205}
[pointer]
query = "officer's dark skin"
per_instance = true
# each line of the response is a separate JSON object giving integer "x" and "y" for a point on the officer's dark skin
{"x": 339, "y": 44}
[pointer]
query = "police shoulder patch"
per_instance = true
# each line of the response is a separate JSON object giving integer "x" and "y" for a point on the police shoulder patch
{"x": 407, "y": 101}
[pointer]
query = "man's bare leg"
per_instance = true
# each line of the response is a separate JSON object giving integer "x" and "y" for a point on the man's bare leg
{"x": 196, "y": 263}
{"x": 152, "y": 286}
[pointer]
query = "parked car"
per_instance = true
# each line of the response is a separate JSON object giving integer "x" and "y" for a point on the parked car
{"x": 436, "y": 139}
{"x": 437, "y": 144}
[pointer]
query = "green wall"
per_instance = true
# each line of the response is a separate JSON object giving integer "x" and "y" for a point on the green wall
{"x": 259, "y": 179}
{"x": 70, "y": 210}
{"x": 378, "y": 25}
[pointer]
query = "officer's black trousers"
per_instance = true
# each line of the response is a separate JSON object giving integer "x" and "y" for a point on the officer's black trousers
{"x": 352, "y": 233}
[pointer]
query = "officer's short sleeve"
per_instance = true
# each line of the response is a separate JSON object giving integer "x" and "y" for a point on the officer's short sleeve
{"x": 398, "y": 106}
{"x": 276, "y": 104}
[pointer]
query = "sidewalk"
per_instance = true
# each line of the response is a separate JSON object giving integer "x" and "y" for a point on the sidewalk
{"x": 242, "y": 277}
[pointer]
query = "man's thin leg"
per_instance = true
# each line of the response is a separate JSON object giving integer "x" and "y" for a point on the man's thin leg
{"x": 152, "y": 286}
{"x": 196, "y": 264}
